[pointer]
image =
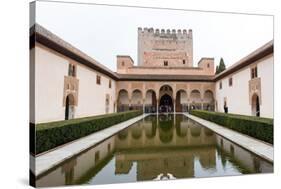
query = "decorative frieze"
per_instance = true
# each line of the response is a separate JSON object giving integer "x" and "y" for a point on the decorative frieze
{"x": 71, "y": 86}
{"x": 255, "y": 88}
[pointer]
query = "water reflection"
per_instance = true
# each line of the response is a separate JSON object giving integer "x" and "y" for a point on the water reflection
{"x": 157, "y": 148}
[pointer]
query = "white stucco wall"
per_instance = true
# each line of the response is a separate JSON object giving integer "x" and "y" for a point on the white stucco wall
{"x": 237, "y": 95}
{"x": 266, "y": 71}
{"x": 50, "y": 69}
{"x": 91, "y": 96}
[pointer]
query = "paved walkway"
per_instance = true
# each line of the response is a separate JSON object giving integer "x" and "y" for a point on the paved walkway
{"x": 50, "y": 159}
{"x": 256, "y": 146}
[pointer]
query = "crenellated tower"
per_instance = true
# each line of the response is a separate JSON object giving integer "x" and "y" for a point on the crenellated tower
{"x": 165, "y": 48}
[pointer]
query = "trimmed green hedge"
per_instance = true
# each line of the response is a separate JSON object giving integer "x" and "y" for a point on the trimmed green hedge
{"x": 53, "y": 134}
{"x": 257, "y": 127}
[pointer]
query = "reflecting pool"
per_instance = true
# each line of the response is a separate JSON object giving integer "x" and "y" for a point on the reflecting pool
{"x": 157, "y": 148}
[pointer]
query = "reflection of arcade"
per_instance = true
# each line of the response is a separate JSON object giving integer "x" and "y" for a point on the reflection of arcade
{"x": 250, "y": 163}
{"x": 168, "y": 150}
{"x": 168, "y": 147}
{"x": 80, "y": 169}
{"x": 152, "y": 133}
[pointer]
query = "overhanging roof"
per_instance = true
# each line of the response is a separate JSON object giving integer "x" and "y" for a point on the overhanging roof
{"x": 146, "y": 77}
{"x": 261, "y": 52}
{"x": 50, "y": 40}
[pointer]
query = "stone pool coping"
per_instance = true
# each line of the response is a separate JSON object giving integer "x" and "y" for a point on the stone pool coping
{"x": 256, "y": 146}
{"x": 53, "y": 158}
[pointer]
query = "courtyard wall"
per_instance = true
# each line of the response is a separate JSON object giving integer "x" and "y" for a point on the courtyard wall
{"x": 51, "y": 71}
{"x": 238, "y": 97}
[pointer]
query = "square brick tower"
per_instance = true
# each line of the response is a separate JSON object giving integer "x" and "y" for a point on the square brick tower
{"x": 168, "y": 48}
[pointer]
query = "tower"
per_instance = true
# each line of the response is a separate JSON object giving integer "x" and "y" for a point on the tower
{"x": 165, "y": 48}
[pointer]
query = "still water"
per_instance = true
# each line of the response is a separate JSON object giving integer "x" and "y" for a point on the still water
{"x": 157, "y": 148}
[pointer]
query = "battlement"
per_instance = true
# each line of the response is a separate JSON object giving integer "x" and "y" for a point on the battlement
{"x": 165, "y": 47}
{"x": 163, "y": 32}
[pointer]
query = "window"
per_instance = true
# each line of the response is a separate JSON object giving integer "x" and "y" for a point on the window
{"x": 97, "y": 157}
{"x": 230, "y": 81}
{"x": 231, "y": 150}
{"x": 220, "y": 85}
{"x": 108, "y": 147}
{"x": 72, "y": 70}
{"x": 107, "y": 100}
{"x": 165, "y": 63}
{"x": 254, "y": 72}
{"x": 107, "y": 103}
{"x": 221, "y": 143}
{"x": 98, "y": 79}
{"x": 109, "y": 84}
{"x": 123, "y": 63}
{"x": 208, "y": 65}
{"x": 183, "y": 61}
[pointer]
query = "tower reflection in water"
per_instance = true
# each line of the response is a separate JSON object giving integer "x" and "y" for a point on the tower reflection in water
{"x": 157, "y": 148}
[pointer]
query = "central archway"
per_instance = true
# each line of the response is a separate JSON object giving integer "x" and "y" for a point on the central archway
{"x": 166, "y": 103}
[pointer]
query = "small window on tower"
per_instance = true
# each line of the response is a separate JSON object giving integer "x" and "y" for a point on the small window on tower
{"x": 165, "y": 63}
{"x": 183, "y": 61}
{"x": 123, "y": 63}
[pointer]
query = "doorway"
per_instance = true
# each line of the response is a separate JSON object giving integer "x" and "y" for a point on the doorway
{"x": 166, "y": 104}
{"x": 255, "y": 105}
{"x": 69, "y": 107}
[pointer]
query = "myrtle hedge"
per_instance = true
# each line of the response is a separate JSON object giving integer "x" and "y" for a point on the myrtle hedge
{"x": 53, "y": 134}
{"x": 257, "y": 127}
